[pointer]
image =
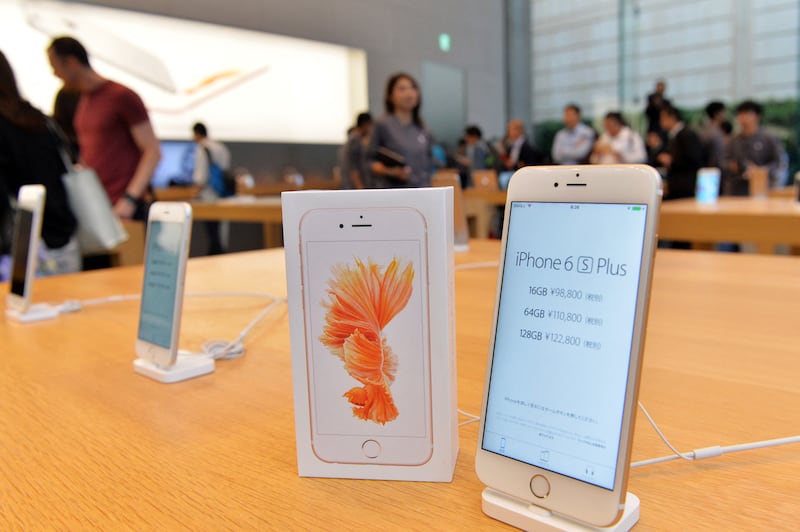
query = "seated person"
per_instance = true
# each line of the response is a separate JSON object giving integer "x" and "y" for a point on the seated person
{"x": 619, "y": 143}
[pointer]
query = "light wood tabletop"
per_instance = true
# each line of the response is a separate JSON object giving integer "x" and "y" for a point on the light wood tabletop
{"x": 87, "y": 443}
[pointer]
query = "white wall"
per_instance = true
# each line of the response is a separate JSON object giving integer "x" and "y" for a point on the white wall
{"x": 396, "y": 34}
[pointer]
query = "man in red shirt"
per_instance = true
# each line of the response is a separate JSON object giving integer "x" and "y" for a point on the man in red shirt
{"x": 114, "y": 131}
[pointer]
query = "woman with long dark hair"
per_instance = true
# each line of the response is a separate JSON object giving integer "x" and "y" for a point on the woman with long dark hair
{"x": 29, "y": 154}
{"x": 400, "y": 149}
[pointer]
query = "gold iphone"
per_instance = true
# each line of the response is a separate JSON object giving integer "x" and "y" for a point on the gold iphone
{"x": 566, "y": 343}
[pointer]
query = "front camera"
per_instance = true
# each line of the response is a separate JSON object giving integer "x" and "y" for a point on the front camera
{"x": 555, "y": 184}
{"x": 341, "y": 226}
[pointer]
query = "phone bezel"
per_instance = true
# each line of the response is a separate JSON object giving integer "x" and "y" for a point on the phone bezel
{"x": 632, "y": 184}
{"x": 30, "y": 198}
{"x": 165, "y": 211}
{"x": 405, "y": 451}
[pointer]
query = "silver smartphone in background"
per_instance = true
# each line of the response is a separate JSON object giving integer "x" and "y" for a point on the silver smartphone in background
{"x": 365, "y": 298}
{"x": 25, "y": 245}
{"x": 169, "y": 227}
{"x": 564, "y": 363}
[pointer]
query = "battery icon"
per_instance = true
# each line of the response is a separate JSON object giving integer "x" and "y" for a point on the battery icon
{"x": 636, "y": 208}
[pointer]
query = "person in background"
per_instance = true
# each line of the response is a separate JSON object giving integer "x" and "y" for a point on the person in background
{"x": 712, "y": 136}
{"x": 574, "y": 142}
{"x": 683, "y": 156}
{"x": 114, "y": 131}
{"x": 618, "y": 143}
{"x": 655, "y": 101}
{"x": 64, "y": 108}
{"x": 519, "y": 152}
{"x": 400, "y": 149}
{"x": 477, "y": 155}
{"x": 751, "y": 148}
{"x": 355, "y": 170}
{"x": 29, "y": 154}
{"x": 655, "y": 146}
{"x": 206, "y": 152}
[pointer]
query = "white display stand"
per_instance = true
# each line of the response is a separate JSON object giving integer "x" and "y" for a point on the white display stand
{"x": 186, "y": 367}
{"x": 534, "y": 518}
{"x": 38, "y": 312}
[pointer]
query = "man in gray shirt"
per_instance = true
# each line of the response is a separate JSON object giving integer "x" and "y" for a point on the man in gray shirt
{"x": 751, "y": 148}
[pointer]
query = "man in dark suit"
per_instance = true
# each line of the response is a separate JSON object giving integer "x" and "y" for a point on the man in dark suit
{"x": 683, "y": 156}
{"x": 519, "y": 152}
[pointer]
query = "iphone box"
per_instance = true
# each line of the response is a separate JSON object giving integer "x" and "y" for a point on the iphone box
{"x": 370, "y": 284}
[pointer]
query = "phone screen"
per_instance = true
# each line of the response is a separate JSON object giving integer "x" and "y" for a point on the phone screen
{"x": 354, "y": 361}
{"x": 707, "y": 185}
{"x": 20, "y": 250}
{"x": 157, "y": 317}
{"x": 564, "y": 332}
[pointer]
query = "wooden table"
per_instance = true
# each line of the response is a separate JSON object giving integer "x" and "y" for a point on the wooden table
{"x": 265, "y": 210}
{"x": 766, "y": 222}
{"x": 87, "y": 443}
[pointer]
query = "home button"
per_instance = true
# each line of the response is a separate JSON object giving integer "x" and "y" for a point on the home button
{"x": 371, "y": 448}
{"x": 540, "y": 486}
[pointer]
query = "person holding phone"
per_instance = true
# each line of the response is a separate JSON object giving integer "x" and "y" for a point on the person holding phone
{"x": 400, "y": 149}
{"x": 29, "y": 154}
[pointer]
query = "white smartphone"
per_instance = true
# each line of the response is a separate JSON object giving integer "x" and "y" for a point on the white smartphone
{"x": 169, "y": 228}
{"x": 365, "y": 299}
{"x": 565, "y": 353}
{"x": 25, "y": 245}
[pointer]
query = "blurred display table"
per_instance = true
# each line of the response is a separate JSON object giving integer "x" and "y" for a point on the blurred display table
{"x": 766, "y": 222}
{"x": 265, "y": 210}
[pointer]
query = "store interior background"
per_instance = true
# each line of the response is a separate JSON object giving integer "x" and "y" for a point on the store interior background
{"x": 528, "y": 58}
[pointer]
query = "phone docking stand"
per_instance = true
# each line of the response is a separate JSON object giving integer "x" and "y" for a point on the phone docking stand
{"x": 529, "y": 517}
{"x": 37, "y": 312}
{"x": 185, "y": 367}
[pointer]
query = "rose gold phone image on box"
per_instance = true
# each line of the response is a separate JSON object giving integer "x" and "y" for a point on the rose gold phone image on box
{"x": 169, "y": 226}
{"x": 365, "y": 298}
{"x": 566, "y": 341}
{"x": 25, "y": 245}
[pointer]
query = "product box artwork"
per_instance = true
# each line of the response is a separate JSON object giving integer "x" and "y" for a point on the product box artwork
{"x": 370, "y": 285}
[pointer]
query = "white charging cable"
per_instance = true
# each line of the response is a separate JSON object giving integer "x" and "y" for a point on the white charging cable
{"x": 706, "y": 452}
{"x": 472, "y": 418}
{"x": 217, "y": 349}
{"x": 225, "y": 350}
